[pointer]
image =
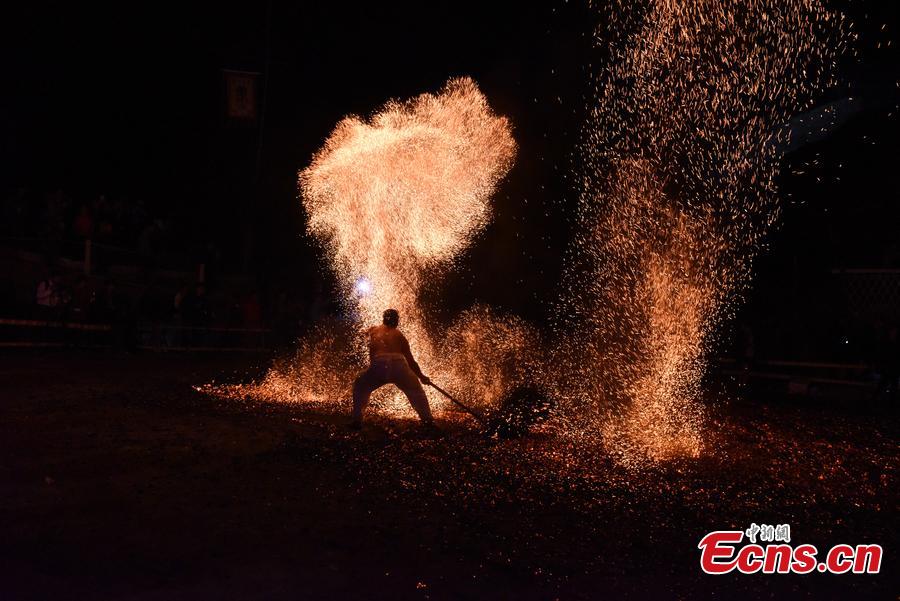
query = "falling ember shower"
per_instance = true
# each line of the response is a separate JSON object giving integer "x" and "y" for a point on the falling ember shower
{"x": 679, "y": 161}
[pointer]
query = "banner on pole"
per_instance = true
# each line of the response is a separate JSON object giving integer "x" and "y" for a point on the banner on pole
{"x": 240, "y": 94}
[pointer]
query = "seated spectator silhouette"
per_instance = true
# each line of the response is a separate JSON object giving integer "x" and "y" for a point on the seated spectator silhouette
{"x": 47, "y": 297}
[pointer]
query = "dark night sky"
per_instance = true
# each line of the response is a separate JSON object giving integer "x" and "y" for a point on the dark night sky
{"x": 127, "y": 100}
{"x": 130, "y": 99}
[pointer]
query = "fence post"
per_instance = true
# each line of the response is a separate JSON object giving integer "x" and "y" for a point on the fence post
{"x": 87, "y": 257}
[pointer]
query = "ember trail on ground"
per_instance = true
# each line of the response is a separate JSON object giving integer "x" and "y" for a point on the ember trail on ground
{"x": 148, "y": 487}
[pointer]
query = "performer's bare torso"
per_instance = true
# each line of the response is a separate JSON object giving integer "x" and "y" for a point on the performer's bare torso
{"x": 384, "y": 340}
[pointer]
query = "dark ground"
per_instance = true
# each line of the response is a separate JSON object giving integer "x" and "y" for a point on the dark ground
{"x": 120, "y": 481}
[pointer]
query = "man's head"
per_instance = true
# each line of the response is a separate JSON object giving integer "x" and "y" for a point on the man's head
{"x": 391, "y": 318}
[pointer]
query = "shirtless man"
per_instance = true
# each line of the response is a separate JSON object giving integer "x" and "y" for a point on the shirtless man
{"x": 391, "y": 362}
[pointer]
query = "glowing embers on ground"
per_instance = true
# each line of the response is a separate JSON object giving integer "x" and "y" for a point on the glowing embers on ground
{"x": 485, "y": 356}
{"x": 679, "y": 160}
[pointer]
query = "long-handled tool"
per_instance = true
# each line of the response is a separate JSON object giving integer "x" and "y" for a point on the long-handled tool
{"x": 478, "y": 417}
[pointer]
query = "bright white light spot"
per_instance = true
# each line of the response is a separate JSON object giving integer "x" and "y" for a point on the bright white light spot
{"x": 363, "y": 286}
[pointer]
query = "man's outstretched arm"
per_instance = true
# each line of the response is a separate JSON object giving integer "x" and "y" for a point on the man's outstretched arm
{"x": 412, "y": 362}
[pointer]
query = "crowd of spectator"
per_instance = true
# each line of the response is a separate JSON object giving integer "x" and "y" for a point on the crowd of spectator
{"x": 187, "y": 317}
{"x": 120, "y": 285}
{"x": 55, "y": 216}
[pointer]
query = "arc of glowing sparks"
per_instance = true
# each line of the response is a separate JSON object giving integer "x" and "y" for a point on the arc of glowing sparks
{"x": 404, "y": 192}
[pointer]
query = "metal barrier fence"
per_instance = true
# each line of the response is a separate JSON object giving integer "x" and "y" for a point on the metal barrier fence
{"x": 151, "y": 336}
{"x": 872, "y": 295}
{"x": 36, "y": 333}
{"x": 803, "y": 372}
{"x": 177, "y": 337}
